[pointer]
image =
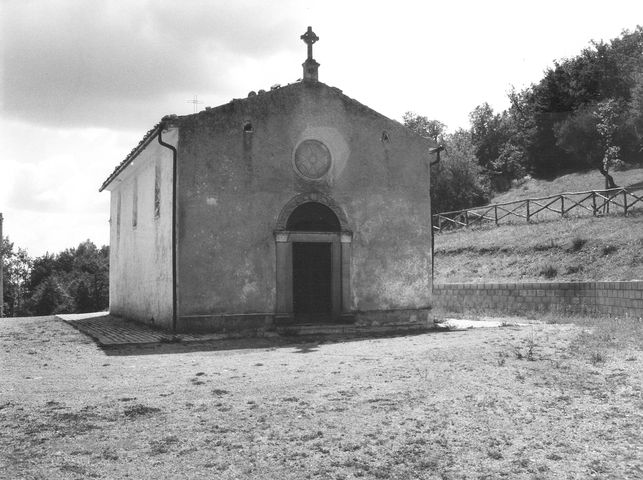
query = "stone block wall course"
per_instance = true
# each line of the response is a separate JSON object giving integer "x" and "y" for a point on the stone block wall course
{"x": 597, "y": 298}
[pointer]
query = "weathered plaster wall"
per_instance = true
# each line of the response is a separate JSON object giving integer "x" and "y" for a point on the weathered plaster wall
{"x": 140, "y": 276}
{"x": 233, "y": 185}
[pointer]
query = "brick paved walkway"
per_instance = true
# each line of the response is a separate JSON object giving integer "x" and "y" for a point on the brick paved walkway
{"x": 108, "y": 330}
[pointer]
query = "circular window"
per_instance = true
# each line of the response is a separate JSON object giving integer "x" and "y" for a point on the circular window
{"x": 312, "y": 159}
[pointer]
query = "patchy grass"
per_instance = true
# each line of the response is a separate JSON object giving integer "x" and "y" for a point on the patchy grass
{"x": 557, "y": 400}
{"x": 573, "y": 182}
{"x": 139, "y": 410}
{"x": 573, "y": 248}
{"x": 578, "y": 249}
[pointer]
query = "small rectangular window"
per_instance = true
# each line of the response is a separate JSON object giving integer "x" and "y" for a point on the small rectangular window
{"x": 135, "y": 204}
{"x": 157, "y": 191}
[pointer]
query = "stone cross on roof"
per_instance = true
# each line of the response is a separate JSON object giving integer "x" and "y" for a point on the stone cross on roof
{"x": 309, "y": 38}
{"x": 310, "y": 65}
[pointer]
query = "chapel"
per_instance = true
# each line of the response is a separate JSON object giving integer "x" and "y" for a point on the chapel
{"x": 292, "y": 206}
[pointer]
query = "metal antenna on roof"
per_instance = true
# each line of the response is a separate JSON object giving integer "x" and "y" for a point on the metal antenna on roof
{"x": 195, "y": 102}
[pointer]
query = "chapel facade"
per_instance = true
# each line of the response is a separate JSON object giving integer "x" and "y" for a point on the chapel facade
{"x": 296, "y": 205}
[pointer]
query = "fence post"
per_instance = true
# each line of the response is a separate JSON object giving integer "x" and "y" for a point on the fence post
{"x": 495, "y": 214}
{"x": 562, "y": 206}
{"x": 625, "y": 202}
{"x": 528, "y": 210}
{"x": 466, "y": 217}
{"x": 594, "y": 202}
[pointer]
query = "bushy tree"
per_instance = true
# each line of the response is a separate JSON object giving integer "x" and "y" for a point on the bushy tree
{"x": 431, "y": 129}
{"x": 16, "y": 270}
{"x": 83, "y": 274}
{"x": 458, "y": 181}
{"x": 51, "y": 297}
{"x": 75, "y": 280}
{"x": 578, "y": 136}
{"x": 555, "y": 114}
{"x": 607, "y": 114}
{"x": 635, "y": 109}
{"x": 487, "y": 134}
{"x": 497, "y": 147}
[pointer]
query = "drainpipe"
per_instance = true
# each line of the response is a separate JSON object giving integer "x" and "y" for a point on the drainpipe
{"x": 432, "y": 151}
{"x": 174, "y": 188}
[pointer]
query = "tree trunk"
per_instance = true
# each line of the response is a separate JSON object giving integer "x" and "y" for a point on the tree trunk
{"x": 608, "y": 178}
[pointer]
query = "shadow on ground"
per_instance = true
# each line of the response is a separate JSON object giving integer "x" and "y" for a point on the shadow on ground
{"x": 117, "y": 336}
{"x": 635, "y": 186}
{"x": 301, "y": 344}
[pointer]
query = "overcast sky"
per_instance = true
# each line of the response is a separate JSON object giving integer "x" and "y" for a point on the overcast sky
{"x": 82, "y": 81}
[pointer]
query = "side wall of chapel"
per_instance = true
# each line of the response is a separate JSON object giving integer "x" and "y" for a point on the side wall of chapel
{"x": 140, "y": 273}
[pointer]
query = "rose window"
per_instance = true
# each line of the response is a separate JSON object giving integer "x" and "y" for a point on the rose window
{"x": 312, "y": 159}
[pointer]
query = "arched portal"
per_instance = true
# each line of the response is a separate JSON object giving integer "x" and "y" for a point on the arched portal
{"x": 313, "y": 217}
{"x": 313, "y": 261}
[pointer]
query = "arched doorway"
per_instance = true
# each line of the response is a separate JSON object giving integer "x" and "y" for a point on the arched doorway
{"x": 313, "y": 261}
{"x": 313, "y": 217}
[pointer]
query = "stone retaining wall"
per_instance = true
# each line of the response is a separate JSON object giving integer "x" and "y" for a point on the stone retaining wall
{"x": 598, "y": 298}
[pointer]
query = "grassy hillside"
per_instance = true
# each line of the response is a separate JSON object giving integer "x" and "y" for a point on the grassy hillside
{"x": 574, "y": 182}
{"x": 587, "y": 248}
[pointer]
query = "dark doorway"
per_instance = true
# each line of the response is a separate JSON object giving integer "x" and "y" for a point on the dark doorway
{"x": 311, "y": 280}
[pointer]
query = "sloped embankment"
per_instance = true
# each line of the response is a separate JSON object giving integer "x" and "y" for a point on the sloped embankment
{"x": 607, "y": 249}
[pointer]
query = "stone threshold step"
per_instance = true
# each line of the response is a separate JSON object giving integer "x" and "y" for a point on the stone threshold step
{"x": 329, "y": 329}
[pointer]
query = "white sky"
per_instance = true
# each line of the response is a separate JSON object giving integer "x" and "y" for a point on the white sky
{"x": 82, "y": 81}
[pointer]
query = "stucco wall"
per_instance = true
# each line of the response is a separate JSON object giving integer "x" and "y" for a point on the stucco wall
{"x": 233, "y": 185}
{"x": 605, "y": 298}
{"x": 140, "y": 276}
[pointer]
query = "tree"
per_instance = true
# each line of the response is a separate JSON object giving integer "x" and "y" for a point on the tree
{"x": 550, "y": 111}
{"x": 578, "y": 136}
{"x": 16, "y": 270}
{"x": 607, "y": 114}
{"x": 635, "y": 111}
{"x": 458, "y": 181}
{"x": 50, "y": 297}
{"x": 74, "y": 280}
{"x": 431, "y": 129}
{"x": 486, "y": 134}
{"x": 497, "y": 151}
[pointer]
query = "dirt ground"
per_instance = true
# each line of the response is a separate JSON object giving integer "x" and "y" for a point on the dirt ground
{"x": 549, "y": 401}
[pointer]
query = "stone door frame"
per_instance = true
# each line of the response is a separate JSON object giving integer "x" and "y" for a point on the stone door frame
{"x": 340, "y": 258}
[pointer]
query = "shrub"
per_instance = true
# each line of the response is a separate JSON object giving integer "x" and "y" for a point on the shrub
{"x": 609, "y": 249}
{"x": 577, "y": 244}
{"x": 549, "y": 272}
